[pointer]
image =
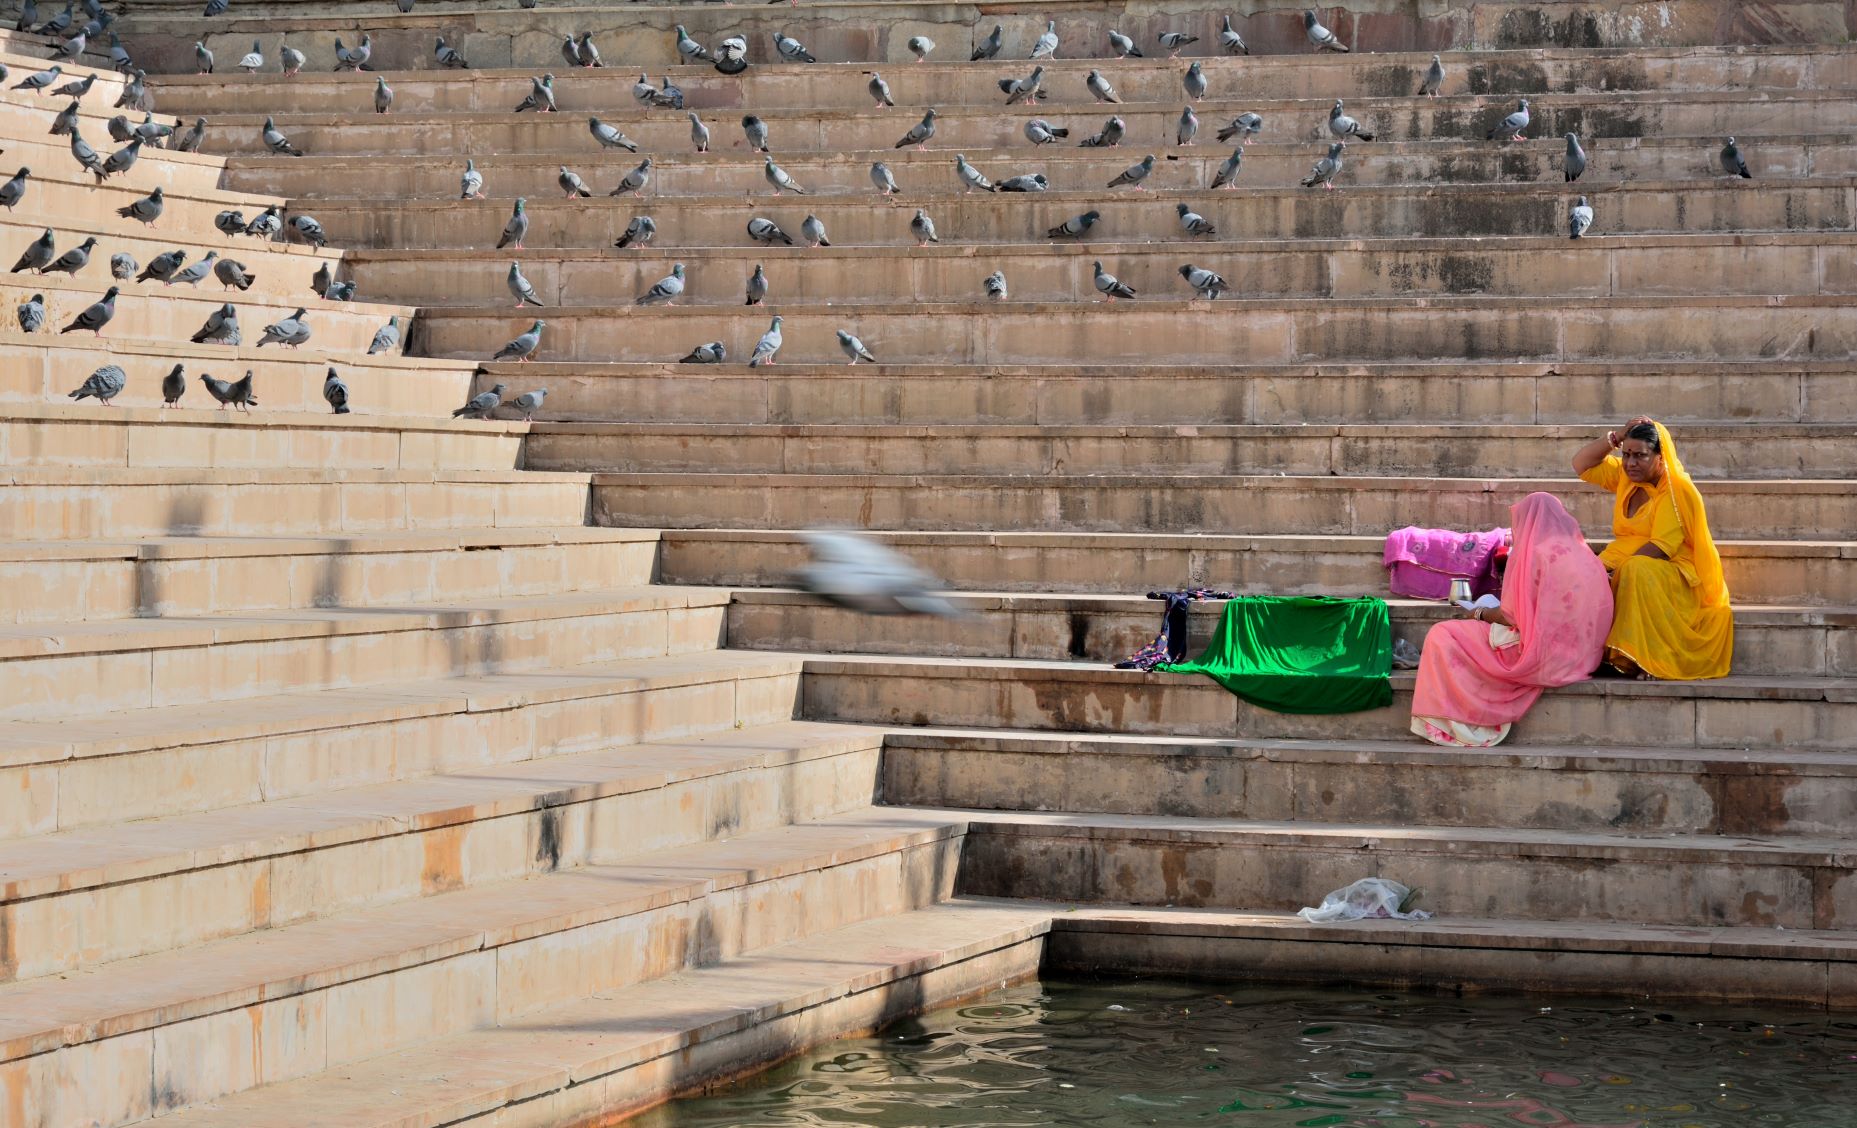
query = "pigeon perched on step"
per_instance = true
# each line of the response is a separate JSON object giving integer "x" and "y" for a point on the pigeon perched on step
{"x": 610, "y": 137}
{"x": 1733, "y": 163}
{"x": 643, "y": 92}
{"x": 792, "y": 50}
{"x": 448, "y": 56}
{"x": 77, "y": 88}
{"x": 14, "y": 190}
{"x": 1322, "y": 38}
{"x": 854, "y": 348}
{"x": 1194, "y": 223}
{"x": 1108, "y": 286}
{"x": 1035, "y": 182}
{"x": 40, "y": 80}
{"x": 174, "y": 386}
{"x": 119, "y": 128}
{"x": 28, "y": 15}
{"x": 699, "y": 134}
{"x": 353, "y": 58}
{"x": 520, "y": 288}
{"x": 541, "y": 96}
{"x": 1227, "y": 175}
{"x": 763, "y": 230}
{"x": 1433, "y": 80}
{"x": 768, "y": 347}
{"x": 470, "y": 182}
{"x": 714, "y": 352}
{"x": 276, "y": 142}
{"x": 96, "y": 315}
{"x": 119, "y": 162}
{"x": 335, "y": 392}
{"x": 923, "y": 228}
{"x": 230, "y": 222}
{"x": 32, "y": 314}
{"x": 1099, "y": 87}
{"x": 482, "y": 404}
{"x": 145, "y": 210}
{"x": 65, "y": 123}
{"x": 1345, "y": 127}
{"x": 570, "y": 53}
{"x": 732, "y": 55}
{"x": 215, "y": 8}
{"x": 989, "y": 47}
{"x": 341, "y": 291}
{"x": 1513, "y": 127}
{"x": 921, "y": 46}
{"x": 689, "y": 50}
{"x": 267, "y": 223}
{"x": 1123, "y": 46}
{"x": 1041, "y": 132}
{"x": 884, "y": 179}
{"x": 1134, "y": 174}
{"x": 812, "y": 229}
{"x": 1188, "y": 127}
{"x": 1106, "y": 138}
{"x": 123, "y": 266}
{"x": 857, "y": 573}
{"x": 293, "y": 330}
{"x": 153, "y": 133}
{"x": 919, "y": 133}
{"x": 58, "y": 24}
{"x": 586, "y": 53}
{"x": 523, "y": 346}
{"x": 1575, "y": 161}
{"x": 516, "y": 228}
{"x": 754, "y": 132}
{"x": 529, "y": 403}
{"x": 290, "y": 59}
{"x": 322, "y": 279}
{"x": 970, "y": 177}
{"x": 1579, "y": 219}
{"x": 39, "y": 254}
{"x": 1230, "y": 41}
{"x": 197, "y": 273}
{"x": 1327, "y": 168}
{"x": 386, "y": 338}
{"x": 253, "y": 60}
{"x": 189, "y": 142}
{"x": 1205, "y": 283}
{"x": 669, "y": 95}
{"x": 1045, "y": 46}
{"x": 1075, "y": 226}
{"x": 757, "y": 286}
{"x": 666, "y": 290}
{"x": 73, "y": 260}
{"x": 163, "y": 266}
{"x": 306, "y": 229}
{"x": 203, "y": 58}
{"x": 572, "y": 185}
{"x": 221, "y": 328}
{"x": 1194, "y": 82}
{"x": 105, "y": 384}
{"x": 236, "y": 394}
{"x": 995, "y": 286}
{"x": 634, "y": 181}
{"x": 1019, "y": 91}
{"x": 383, "y": 95}
{"x": 639, "y": 232}
{"x": 779, "y": 178}
{"x": 1176, "y": 41}
{"x": 85, "y": 156}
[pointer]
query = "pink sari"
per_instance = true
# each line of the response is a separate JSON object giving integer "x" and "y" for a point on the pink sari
{"x": 1559, "y": 598}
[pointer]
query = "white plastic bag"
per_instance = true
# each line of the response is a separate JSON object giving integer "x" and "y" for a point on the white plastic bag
{"x": 1368, "y": 897}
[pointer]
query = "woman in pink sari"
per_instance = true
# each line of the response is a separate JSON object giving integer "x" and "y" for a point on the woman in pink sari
{"x": 1477, "y": 677}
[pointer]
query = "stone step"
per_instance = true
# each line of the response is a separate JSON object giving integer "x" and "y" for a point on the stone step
{"x": 1226, "y": 393}
{"x": 1813, "y": 573}
{"x": 1735, "y": 712}
{"x": 1178, "y": 329}
{"x": 58, "y": 503}
{"x": 82, "y": 772}
{"x": 1726, "y": 450}
{"x": 24, "y": 48}
{"x": 591, "y": 1060}
{"x": 64, "y": 197}
{"x": 144, "y": 1037}
{"x": 52, "y": 581}
{"x": 192, "y": 180}
{"x": 1770, "y": 641}
{"x": 1747, "y": 792}
{"x": 1221, "y": 504}
{"x": 48, "y": 367}
{"x": 152, "y": 663}
{"x": 1462, "y": 872}
{"x": 271, "y": 865}
{"x": 1455, "y": 211}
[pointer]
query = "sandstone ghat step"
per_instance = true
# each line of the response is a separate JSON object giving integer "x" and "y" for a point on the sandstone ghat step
{"x": 61, "y": 194}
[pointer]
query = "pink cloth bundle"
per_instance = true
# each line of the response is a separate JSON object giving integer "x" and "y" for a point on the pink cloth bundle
{"x": 1420, "y": 563}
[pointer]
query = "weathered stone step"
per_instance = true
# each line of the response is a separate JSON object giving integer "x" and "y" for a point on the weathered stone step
{"x": 270, "y": 865}
{"x": 1798, "y": 509}
{"x": 1796, "y": 572}
{"x": 1756, "y": 792}
{"x": 1555, "y": 875}
{"x": 952, "y": 329}
{"x": 192, "y": 179}
{"x": 345, "y": 988}
{"x": 152, "y": 663}
{"x": 78, "y": 772}
{"x": 57, "y": 503}
{"x": 1732, "y": 712}
{"x": 1777, "y": 641}
{"x": 1729, "y": 450}
{"x": 1228, "y": 392}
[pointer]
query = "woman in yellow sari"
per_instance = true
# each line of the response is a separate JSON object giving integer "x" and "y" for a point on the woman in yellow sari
{"x": 1672, "y": 618}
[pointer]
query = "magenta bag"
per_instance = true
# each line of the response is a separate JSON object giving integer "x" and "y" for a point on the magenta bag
{"x": 1420, "y": 563}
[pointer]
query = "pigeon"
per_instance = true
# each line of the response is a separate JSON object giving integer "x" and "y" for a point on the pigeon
{"x": 923, "y": 228}
{"x": 919, "y": 133}
{"x": 1579, "y": 219}
{"x": 335, "y": 393}
{"x": 341, "y": 292}
{"x": 1575, "y": 162}
{"x": 57, "y": 25}
{"x": 276, "y": 142}
{"x": 970, "y": 177}
{"x": 1036, "y": 182}
{"x": 28, "y": 15}
{"x": 1041, "y": 132}
{"x": 292, "y": 330}
{"x": 792, "y": 50}
{"x": 732, "y": 55}
{"x": 767, "y": 231}
{"x": 120, "y": 161}
{"x": 73, "y": 260}
{"x": 14, "y": 190}
{"x": 73, "y": 48}
{"x": 754, "y": 130}
{"x": 571, "y": 183}
{"x": 1108, "y": 287}
{"x": 1106, "y": 138}
{"x": 1433, "y": 80}
{"x": 541, "y": 96}
{"x": 699, "y": 134}
{"x": 880, "y": 90}
{"x": 306, "y": 229}
{"x": 1512, "y": 127}
{"x": 122, "y": 266}
{"x": 634, "y": 181}
{"x": 173, "y": 386}
{"x": 195, "y": 274}
{"x": 230, "y": 222}
{"x": 989, "y": 47}
{"x": 135, "y": 93}
{"x": 383, "y": 95}
{"x": 517, "y": 228}
{"x": 253, "y": 60}
{"x": 520, "y": 287}
{"x": 757, "y": 286}
{"x": 42, "y": 79}
{"x": 529, "y": 403}
{"x": 96, "y": 315}
{"x": 105, "y": 384}
{"x": 857, "y": 573}
{"x": 778, "y": 177}
{"x": 202, "y": 57}
{"x": 1193, "y": 222}
{"x": 1345, "y": 127}
{"x": 386, "y": 338}
{"x": 38, "y": 254}
{"x": 215, "y": 8}
{"x": 921, "y": 46}
{"x": 1123, "y": 46}
{"x": 447, "y": 56}
{"x": 120, "y": 129}
{"x": 689, "y": 50}
{"x": 1134, "y": 174}
{"x": 570, "y": 54}
{"x": 153, "y": 132}
{"x": 1327, "y": 168}
{"x": 767, "y": 347}
{"x": 266, "y": 223}
{"x": 1074, "y": 226}
{"x": 1176, "y": 41}
{"x": 1205, "y": 283}
{"x": 322, "y": 280}
{"x": 1045, "y": 46}
{"x": 162, "y": 267}
{"x": 84, "y": 155}
{"x": 610, "y": 137}
{"x": 76, "y": 89}
{"x": 1020, "y": 90}
{"x": 715, "y": 352}
{"x": 32, "y": 314}
{"x": 1321, "y": 37}
{"x": 666, "y": 290}
{"x": 643, "y": 92}
{"x": 1733, "y": 163}
{"x": 66, "y": 122}
{"x": 1194, "y": 82}
{"x": 588, "y": 54}
{"x": 637, "y": 233}
{"x": 854, "y": 348}
{"x": 996, "y": 286}
{"x": 189, "y": 142}
{"x": 233, "y": 275}
{"x": 812, "y": 229}
{"x": 237, "y": 393}
{"x": 471, "y": 183}
{"x": 290, "y": 59}
{"x": 523, "y": 346}
{"x": 1227, "y": 176}
{"x": 885, "y": 181}
{"x": 1230, "y": 41}
{"x": 1188, "y": 127}
{"x": 355, "y": 58}
{"x": 1100, "y": 88}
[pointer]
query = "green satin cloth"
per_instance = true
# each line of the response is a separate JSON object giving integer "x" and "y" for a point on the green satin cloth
{"x": 1301, "y": 654}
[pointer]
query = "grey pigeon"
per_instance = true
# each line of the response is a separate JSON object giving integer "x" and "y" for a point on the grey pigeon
{"x": 305, "y": 229}
{"x": 292, "y": 330}
{"x": 517, "y": 228}
{"x": 66, "y": 122}
{"x": 120, "y": 161}
{"x": 1108, "y": 287}
{"x": 1041, "y": 132}
{"x": 470, "y": 182}
{"x": 73, "y": 47}
{"x": 634, "y": 181}
{"x": 383, "y": 95}
{"x": 1733, "y": 163}
{"x": 854, "y": 572}
{"x": 86, "y": 156}
{"x": 1321, "y": 37}
{"x": 767, "y": 231}
{"x": 1227, "y": 176}
{"x": 541, "y": 96}
{"x": 73, "y": 260}
{"x": 666, "y": 290}
{"x": 529, "y": 403}
{"x": 448, "y": 56}
{"x": 1034, "y": 183}
{"x": 923, "y": 228}
{"x": 767, "y": 347}
{"x": 854, "y": 348}
{"x": 778, "y": 177}
{"x": 1575, "y": 162}
{"x": 1176, "y": 41}
{"x": 610, "y": 137}
{"x": 586, "y": 53}
{"x": 1205, "y": 283}
{"x": 174, "y": 386}
{"x": 1327, "y": 168}
{"x": 1433, "y": 80}
{"x": 643, "y": 92}
{"x": 189, "y": 142}
{"x": 689, "y": 50}
{"x": 571, "y": 183}
{"x": 754, "y": 131}
{"x": 792, "y": 50}
{"x": 39, "y": 254}
{"x": 122, "y": 266}
{"x": 233, "y": 275}
{"x": 813, "y": 231}
{"x": 41, "y": 79}
{"x": 96, "y": 315}
{"x": 520, "y": 287}
{"x": 1123, "y": 46}
{"x": 699, "y": 134}
{"x": 203, "y": 58}
{"x": 119, "y": 128}
{"x": 1194, "y": 82}
{"x": 1193, "y": 222}
{"x": 921, "y": 46}
{"x": 1134, "y": 174}
{"x": 1075, "y": 225}
{"x": 266, "y": 223}
{"x": 78, "y": 88}
{"x": 222, "y": 327}
{"x": 146, "y": 210}
{"x": 195, "y": 274}
{"x": 1022, "y": 90}
{"x": 637, "y": 233}
{"x": 482, "y": 404}
{"x": 732, "y": 55}
{"x": 970, "y": 177}
{"x": 919, "y": 133}
{"x": 1345, "y": 127}
{"x": 669, "y": 95}
{"x": 341, "y": 291}
{"x": 1579, "y": 219}
{"x": 215, "y": 8}
{"x": 153, "y": 132}
{"x": 757, "y": 286}
{"x": 28, "y": 15}
{"x": 1099, "y": 87}
{"x": 1188, "y": 127}
{"x": 1045, "y": 46}
{"x": 386, "y": 338}
{"x": 715, "y": 352}
{"x": 14, "y": 190}
{"x": 1108, "y": 137}
{"x": 989, "y": 47}
{"x": 1512, "y": 127}
{"x": 290, "y": 59}
{"x": 237, "y": 394}
{"x": 253, "y": 60}
{"x": 996, "y": 285}
{"x": 523, "y": 346}
{"x": 59, "y": 23}
{"x": 880, "y": 90}
{"x": 161, "y": 268}
{"x": 1230, "y": 41}
{"x": 322, "y": 279}
{"x": 230, "y": 222}
{"x": 276, "y": 142}
{"x": 105, "y": 384}
{"x": 353, "y": 58}
{"x": 32, "y": 314}
{"x": 570, "y": 54}
{"x": 881, "y": 176}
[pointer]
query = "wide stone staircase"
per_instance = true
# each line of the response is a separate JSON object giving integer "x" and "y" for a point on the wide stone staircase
{"x": 386, "y": 769}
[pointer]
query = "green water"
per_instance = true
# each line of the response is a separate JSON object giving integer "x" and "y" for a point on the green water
{"x": 1140, "y": 1053}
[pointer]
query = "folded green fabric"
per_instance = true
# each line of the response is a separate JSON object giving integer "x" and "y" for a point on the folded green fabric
{"x": 1301, "y": 654}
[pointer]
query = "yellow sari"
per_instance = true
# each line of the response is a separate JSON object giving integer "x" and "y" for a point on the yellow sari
{"x": 1672, "y": 617}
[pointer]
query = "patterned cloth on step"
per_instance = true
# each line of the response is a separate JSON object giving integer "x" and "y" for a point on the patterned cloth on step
{"x": 1170, "y": 644}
